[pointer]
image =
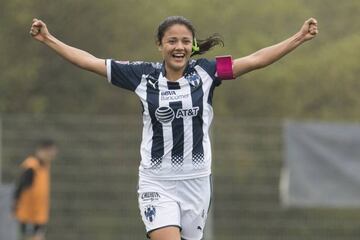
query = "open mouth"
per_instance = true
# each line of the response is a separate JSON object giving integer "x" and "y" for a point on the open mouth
{"x": 178, "y": 56}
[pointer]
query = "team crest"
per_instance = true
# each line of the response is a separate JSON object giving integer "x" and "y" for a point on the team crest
{"x": 150, "y": 213}
{"x": 193, "y": 78}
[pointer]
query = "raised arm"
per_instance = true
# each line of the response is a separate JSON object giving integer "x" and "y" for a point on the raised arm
{"x": 76, "y": 56}
{"x": 269, "y": 55}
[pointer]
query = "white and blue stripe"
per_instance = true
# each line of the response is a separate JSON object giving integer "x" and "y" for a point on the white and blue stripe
{"x": 176, "y": 116}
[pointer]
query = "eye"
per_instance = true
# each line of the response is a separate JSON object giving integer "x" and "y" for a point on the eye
{"x": 172, "y": 41}
{"x": 186, "y": 41}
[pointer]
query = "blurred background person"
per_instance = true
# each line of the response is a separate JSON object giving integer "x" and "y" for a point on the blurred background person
{"x": 31, "y": 196}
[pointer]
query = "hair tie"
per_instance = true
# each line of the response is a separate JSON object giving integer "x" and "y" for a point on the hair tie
{"x": 195, "y": 47}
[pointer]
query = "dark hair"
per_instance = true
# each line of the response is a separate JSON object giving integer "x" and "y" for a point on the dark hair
{"x": 45, "y": 144}
{"x": 203, "y": 44}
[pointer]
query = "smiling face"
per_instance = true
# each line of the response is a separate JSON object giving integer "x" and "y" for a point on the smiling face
{"x": 176, "y": 47}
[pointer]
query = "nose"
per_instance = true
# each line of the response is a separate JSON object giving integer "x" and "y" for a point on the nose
{"x": 179, "y": 45}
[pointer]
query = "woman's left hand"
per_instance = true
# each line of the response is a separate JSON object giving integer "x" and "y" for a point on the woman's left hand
{"x": 310, "y": 29}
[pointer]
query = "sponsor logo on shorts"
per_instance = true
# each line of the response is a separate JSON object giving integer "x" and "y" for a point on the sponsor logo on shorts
{"x": 150, "y": 196}
{"x": 150, "y": 213}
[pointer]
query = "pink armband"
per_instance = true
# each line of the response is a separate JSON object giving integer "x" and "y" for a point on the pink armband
{"x": 224, "y": 67}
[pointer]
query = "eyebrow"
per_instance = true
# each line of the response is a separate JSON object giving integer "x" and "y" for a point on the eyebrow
{"x": 171, "y": 38}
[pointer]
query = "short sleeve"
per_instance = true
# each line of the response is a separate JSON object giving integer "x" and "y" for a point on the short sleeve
{"x": 126, "y": 74}
{"x": 210, "y": 67}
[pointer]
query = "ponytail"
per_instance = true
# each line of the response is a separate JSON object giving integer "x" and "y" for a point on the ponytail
{"x": 204, "y": 45}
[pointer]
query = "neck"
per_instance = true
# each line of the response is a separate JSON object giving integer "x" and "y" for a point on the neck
{"x": 41, "y": 161}
{"x": 173, "y": 75}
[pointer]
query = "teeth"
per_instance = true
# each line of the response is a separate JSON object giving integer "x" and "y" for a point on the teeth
{"x": 178, "y": 55}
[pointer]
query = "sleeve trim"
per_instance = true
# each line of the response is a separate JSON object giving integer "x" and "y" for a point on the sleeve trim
{"x": 108, "y": 70}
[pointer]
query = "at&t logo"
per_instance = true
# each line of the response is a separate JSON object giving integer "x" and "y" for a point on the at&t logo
{"x": 167, "y": 115}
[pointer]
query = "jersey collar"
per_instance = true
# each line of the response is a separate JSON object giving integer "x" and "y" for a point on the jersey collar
{"x": 189, "y": 67}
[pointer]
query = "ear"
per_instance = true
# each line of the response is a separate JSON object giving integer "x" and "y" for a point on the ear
{"x": 159, "y": 46}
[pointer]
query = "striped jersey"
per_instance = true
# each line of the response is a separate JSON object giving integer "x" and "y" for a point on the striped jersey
{"x": 176, "y": 116}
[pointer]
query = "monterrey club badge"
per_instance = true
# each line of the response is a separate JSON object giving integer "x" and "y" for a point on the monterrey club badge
{"x": 150, "y": 213}
{"x": 194, "y": 79}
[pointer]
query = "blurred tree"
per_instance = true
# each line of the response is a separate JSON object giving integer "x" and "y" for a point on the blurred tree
{"x": 318, "y": 80}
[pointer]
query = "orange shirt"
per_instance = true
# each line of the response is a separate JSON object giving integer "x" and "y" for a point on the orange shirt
{"x": 33, "y": 204}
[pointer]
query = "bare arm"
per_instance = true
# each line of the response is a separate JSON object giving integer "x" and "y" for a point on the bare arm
{"x": 76, "y": 56}
{"x": 269, "y": 55}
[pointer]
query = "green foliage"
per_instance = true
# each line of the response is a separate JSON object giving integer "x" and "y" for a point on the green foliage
{"x": 318, "y": 80}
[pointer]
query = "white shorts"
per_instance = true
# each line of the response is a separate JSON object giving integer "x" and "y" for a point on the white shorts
{"x": 181, "y": 203}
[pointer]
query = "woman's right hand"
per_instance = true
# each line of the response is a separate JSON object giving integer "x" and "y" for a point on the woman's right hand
{"x": 76, "y": 56}
{"x": 39, "y": 30}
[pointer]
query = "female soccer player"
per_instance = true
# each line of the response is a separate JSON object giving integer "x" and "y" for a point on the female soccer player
{"x": 176, "y": 96}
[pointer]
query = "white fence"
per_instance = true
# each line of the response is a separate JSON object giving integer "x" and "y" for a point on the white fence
{"x": 94, "y": 180}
